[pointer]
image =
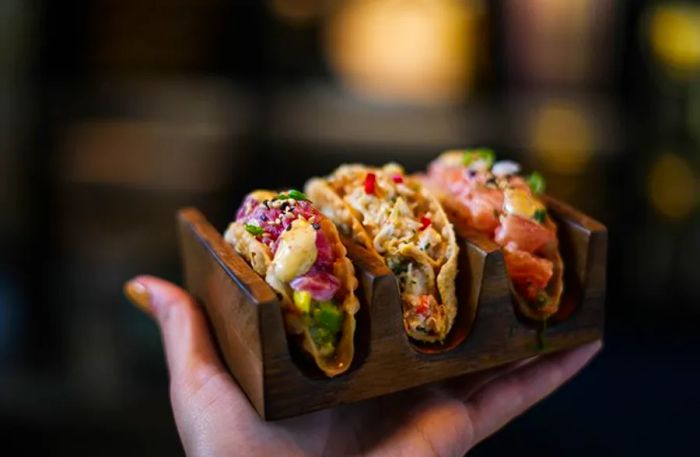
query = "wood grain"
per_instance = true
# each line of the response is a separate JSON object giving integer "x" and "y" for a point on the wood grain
{"x": 280, "y": 382}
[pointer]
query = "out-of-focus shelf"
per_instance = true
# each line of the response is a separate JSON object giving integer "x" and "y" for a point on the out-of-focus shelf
{"x": 323, "y": 115}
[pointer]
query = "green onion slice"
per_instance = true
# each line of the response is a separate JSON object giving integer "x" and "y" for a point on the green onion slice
{"x": 536, "y": 182}
{"x": 254, "y": 229}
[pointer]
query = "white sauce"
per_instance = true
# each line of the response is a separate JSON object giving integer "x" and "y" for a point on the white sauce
{"x": 296, "y": 251}
{"x": 505, "y": 168}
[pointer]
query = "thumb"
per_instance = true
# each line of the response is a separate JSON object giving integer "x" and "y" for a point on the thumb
{"x": 204, "y": 396}
{"x": 189, "y": 350}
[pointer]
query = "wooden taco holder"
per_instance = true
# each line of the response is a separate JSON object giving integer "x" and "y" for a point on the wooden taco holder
{"x": 245, "y": 317}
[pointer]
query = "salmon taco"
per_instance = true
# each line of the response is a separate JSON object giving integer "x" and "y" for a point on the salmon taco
{"x": 297, "y": 250}
{"x": 493, "y": 198}
{"x": 397, "y": 219}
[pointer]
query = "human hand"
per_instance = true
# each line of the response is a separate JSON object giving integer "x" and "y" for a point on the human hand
{"x": 214, "y": 417}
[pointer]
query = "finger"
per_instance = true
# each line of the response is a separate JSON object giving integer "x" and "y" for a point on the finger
{"x": 509, "y": 396}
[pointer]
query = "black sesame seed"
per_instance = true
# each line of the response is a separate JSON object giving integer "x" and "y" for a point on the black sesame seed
{"x": 316, "y": 225}
{"x": 289, "y": 227}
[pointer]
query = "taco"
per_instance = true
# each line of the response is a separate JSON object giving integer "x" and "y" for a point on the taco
{"x": 287, "y": 241}
{"x": 395, "y": 217}
{"x": 493, "y": 198}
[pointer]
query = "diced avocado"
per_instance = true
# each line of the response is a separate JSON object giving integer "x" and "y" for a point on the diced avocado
{"x": 321, "y": 336}
{"x": 329, "y": 317}
{"x": 302, "y": 300}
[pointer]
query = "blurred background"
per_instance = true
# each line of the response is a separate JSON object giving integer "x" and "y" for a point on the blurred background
{"x": 115, "y": 113}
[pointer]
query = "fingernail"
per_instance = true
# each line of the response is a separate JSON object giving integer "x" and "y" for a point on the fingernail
{"x": 139, "y": 296}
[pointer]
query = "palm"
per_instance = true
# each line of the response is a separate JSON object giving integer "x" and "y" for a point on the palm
{"x": 426, "y": 421}
{"x": 215, "y": 418}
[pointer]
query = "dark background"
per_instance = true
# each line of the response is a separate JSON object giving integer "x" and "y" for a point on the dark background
{"x": 114, "y": 113}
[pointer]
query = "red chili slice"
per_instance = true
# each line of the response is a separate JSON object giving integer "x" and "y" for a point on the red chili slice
{"x": 370, "y": 182}
{"x": 423, "y": 307}
{"x": 398, "y": 179}
{"x": 425, "y": 223}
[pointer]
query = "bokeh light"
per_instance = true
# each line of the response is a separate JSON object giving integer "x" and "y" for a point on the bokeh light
{"x": 672, "y": 186}
{"x": 674, "y": 36}
{"x": 562, "y": 136}
{"x": 417, "y": 51}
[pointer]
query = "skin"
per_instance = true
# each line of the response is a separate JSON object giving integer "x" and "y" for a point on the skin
{"x": 214, "y": 418}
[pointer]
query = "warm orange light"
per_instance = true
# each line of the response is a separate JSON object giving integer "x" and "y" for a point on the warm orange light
{"x": 672, "y": 186}
{"x": 405, "y": 50}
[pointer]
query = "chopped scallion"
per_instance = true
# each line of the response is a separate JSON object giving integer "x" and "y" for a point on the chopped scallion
{"x": 254, "y": 229}
{"x": 536, "y": 182}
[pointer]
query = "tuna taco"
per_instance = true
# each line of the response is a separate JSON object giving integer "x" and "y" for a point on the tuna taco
{"x": 298, "y": 252}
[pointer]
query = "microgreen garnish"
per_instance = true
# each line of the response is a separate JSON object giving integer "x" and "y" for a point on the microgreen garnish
{"x": 254, "y": 229}
{"x": 292, "y": 194}
{"x": 540, "y": 215}
{"x": 473, "y": 155}
{"x": 536, "y": 182}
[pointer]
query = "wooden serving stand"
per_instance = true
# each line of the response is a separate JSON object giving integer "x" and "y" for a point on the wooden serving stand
{"x": 280, "y": 382}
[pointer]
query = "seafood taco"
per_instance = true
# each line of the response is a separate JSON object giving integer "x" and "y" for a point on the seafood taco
{"x": 493, "y": 198}
{"x": 298, "y": 252}
{"x": 395, "y": 217}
